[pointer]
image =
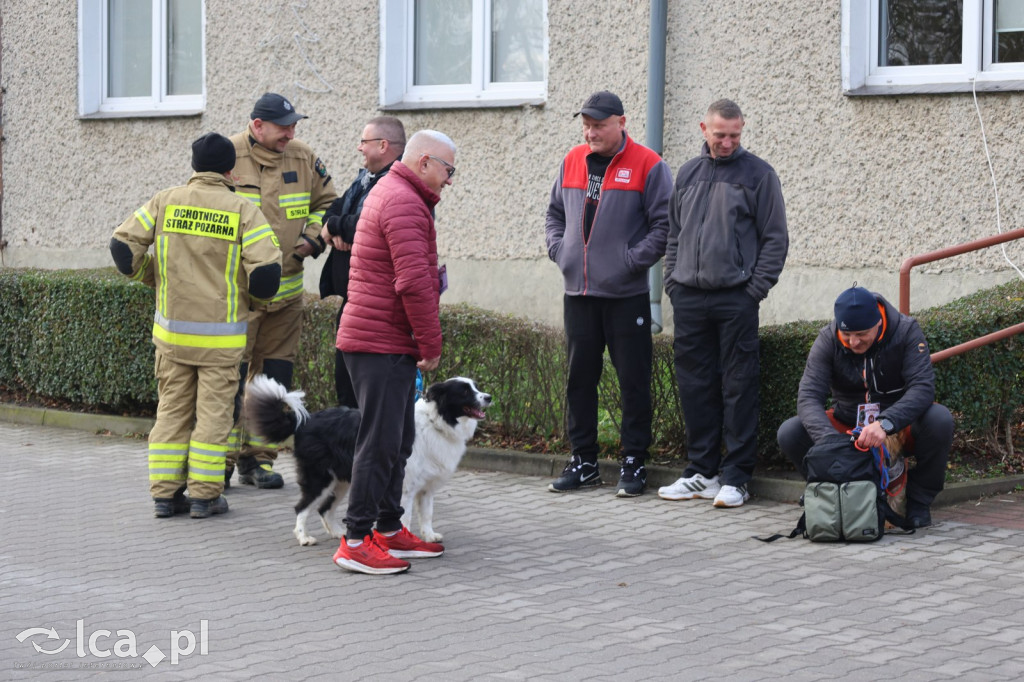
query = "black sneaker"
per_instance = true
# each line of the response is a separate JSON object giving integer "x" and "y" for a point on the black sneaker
{"x": 204, "y": 508}
{"x": 632, "y": 478}
{"x": 261, "y": 475}
{"x": 918, "y": 515}
{"x": 576, "y": 474}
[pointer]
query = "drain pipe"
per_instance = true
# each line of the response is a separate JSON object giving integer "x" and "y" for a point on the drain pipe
{"x": 656, "y": 128}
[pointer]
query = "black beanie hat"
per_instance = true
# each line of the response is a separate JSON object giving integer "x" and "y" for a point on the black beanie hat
{"x": 213, "y": 152}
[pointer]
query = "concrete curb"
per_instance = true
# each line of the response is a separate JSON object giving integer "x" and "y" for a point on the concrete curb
{"x": 42, "y": 416}
{"x": 779, "y": 487}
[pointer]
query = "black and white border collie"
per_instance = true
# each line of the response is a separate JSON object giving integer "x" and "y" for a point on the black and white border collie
{"x": 446, "y": 419}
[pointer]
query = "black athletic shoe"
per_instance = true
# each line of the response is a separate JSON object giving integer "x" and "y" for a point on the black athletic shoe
{"x": 632, "y": 478}
{"x": 576, "y": 474}
{"x": 919, "y": 515}
{"x": 204, "y": 508}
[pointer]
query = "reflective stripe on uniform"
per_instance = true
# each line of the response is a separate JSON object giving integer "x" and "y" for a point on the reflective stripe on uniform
{"x": 161, "y": 259}
{"x": 167, "y": 461}
{"x": 141, "y": 273}
{"x": 199, "y": 334}
{"x": 264, "y": 231}
{"x": 254, "y": 198}
{"x": 202, "y": 328}
{"x": 290, "y": 287}
{"x": 316, "y": 217}
{"x": 234, "y": 439}
{"x": 231, "y": 279}
{"x": 294, "y": 205}
{"x": 256, "y": 441}
{"x": 293, "y": 199}
{"x": 206, "y": 461}
{"x": 145, "y": 218}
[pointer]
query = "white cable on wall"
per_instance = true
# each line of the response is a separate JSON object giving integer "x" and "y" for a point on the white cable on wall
{"x": 992, "y": 172}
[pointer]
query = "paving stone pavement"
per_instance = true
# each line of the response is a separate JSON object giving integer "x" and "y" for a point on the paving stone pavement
{"x": 533, "y": 586}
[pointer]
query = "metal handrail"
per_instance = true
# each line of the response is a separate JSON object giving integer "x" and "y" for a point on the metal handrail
{"x": 949, "y": 252}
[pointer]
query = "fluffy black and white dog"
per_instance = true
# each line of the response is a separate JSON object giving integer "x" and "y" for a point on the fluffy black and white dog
{"x": 446, "y": 418}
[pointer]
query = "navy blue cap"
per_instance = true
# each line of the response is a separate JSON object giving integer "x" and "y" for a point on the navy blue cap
{"x": 856, "y": 310}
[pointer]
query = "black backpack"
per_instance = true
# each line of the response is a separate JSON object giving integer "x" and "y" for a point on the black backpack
{"x": 845, "y": 497}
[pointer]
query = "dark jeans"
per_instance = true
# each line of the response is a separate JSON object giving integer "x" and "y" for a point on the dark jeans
{"x": 342, "y": 381}
{"x": 933, "y": 437}
{"x": 384, "y": 386}
{"x": 718, "y": 372}
{"x": 624, "y": 326}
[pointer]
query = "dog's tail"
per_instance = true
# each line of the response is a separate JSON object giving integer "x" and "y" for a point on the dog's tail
{"x": 271, "y": 410}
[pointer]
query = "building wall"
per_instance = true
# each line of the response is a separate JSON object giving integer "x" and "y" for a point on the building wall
{"x": 868, "y": 181}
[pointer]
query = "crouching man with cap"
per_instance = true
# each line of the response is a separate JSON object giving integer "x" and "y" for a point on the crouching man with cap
{"x": 213, "y": 253}
{"x": 875, "y": 363}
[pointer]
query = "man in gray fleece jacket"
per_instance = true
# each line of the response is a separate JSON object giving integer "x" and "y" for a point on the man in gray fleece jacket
{"x": 727, "y": 244}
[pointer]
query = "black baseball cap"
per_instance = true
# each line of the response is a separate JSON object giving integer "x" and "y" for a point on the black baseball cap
{"x": 276, "y": 109}
{"x": 601, "y": 105}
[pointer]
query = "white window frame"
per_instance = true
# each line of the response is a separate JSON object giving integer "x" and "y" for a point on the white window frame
{"x": 92, "y": 69}
{"x": 397, "y": 91}
{"x": 861, "y": 74}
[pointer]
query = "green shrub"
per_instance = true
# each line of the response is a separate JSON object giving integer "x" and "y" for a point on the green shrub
{"x": 83, "y": 337}
{"x": 78, "y": 335}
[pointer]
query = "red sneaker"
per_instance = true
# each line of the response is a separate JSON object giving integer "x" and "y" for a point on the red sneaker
{"x": 405, "y": 545}
{"x": 369, "y": 557}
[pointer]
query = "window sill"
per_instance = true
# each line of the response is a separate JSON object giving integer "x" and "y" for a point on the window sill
{"x": 163, "y": 113}
{"x": 408, "y": 105}
{"x": 934, "y": 88}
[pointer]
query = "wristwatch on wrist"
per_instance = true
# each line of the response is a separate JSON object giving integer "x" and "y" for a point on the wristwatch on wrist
{"x": 887, "y": 425}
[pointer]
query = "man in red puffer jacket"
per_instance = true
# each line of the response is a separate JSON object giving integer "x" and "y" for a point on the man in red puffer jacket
{"x": 389, "y": 329}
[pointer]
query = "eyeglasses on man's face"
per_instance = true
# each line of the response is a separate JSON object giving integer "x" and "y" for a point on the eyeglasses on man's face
{"x": 450, "y": 168}
{"x": 373, "y": 139}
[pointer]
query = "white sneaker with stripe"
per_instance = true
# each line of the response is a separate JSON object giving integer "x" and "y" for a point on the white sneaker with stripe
{"x": 691, "y": 488}
{"x": 732, "y": 496}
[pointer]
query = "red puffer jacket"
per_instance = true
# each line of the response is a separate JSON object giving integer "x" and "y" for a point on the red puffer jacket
{"x": 393, "y": 287}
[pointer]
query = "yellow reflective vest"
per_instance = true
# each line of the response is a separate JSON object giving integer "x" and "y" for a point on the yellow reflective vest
{"x": 207, "y": 241}
{"x": 293, "y": 189}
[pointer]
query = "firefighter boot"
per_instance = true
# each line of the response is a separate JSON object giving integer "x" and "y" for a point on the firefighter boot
{"x": 164, "y": 508}
{"x": 261, "y": 475}
{"x": 202, "y": 509}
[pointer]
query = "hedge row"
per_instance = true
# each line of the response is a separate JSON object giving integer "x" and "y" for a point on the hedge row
{"x": 84, "y": 337}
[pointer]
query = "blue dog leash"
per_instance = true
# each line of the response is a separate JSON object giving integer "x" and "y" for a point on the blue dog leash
{"x": 881, "y": 458}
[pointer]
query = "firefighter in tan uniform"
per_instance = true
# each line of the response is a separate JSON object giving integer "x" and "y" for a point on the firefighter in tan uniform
{"x": 214, "y": 252}
{"x": 290, "y": 184}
